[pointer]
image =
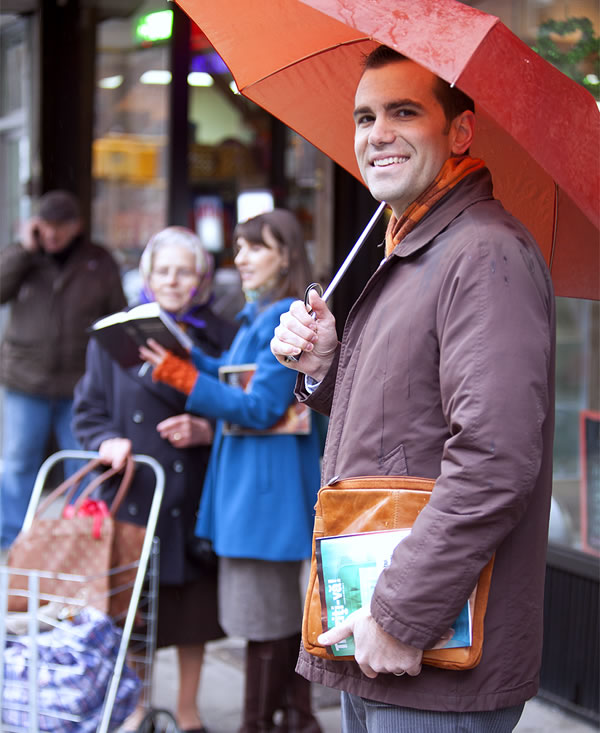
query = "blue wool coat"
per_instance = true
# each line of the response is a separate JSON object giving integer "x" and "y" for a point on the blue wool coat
{"x": 260, "y": 490}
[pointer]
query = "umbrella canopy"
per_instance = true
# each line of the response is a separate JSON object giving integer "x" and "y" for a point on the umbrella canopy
{"x": 538, "y": 131}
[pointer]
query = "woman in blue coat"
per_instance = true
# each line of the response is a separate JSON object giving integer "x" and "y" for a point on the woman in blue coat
{"x": 122, "y": 411}
{"x": 261, "y": 487}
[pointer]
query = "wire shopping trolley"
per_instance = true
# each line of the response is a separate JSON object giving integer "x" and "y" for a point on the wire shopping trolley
{"x": 44, "y": 637}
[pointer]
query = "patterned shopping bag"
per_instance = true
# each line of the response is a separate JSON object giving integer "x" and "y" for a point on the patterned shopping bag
{"x": 86, "y": 542}
{"x": 76, "y": 661}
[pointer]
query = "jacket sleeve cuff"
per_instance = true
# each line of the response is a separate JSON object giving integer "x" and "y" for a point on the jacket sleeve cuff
{"x": 321, "y": 397}
{"x": 414, "y": 635}
{"x": 178, "y": 373}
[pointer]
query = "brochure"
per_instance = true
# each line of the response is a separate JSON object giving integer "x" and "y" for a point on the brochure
{"x": 295, "y": 421}
{"x": 348, "y": 567}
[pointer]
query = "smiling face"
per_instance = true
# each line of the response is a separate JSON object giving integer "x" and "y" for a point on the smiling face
{"x": 260, "y": 263}
{"x": 173, "y": 278}
{"x": 401, "y": 137}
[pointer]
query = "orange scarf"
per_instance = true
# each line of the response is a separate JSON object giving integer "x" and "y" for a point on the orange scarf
{"x": 453, "y": 171}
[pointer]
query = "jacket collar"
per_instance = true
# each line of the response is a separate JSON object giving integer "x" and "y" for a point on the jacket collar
{"x": 61, "y": 258}
{"x": 251, "y": 311}
{"x": 475, "y": 187}
{"x": 248, "y": 313}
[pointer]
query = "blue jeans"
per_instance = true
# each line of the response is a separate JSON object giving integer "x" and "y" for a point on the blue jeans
{"x": 365, "y": 716}
{"x": 28, "y": 423}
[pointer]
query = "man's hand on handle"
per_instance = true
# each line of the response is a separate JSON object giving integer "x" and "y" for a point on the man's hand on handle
{"x": 115, "y": 451}
{"x": 313, "y": 337}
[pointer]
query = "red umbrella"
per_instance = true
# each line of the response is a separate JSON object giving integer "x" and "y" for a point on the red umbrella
{"x": 538, "y": 131}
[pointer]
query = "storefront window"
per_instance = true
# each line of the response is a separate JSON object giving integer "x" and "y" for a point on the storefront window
{"x": 309, "y": 175}
{"x": 130, "y": 137}
{"x": 237, "y": 168}
{"x": 576, "y": 446}
{"x": 229, "y": 152}
{"x": 16, "y": 91}
{"x": 564, "y": 32}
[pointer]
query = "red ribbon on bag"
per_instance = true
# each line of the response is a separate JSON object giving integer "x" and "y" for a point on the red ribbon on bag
{"x": 90, "y": 508}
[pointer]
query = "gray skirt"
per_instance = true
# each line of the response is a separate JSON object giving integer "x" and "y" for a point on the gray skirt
{"x": 260, "y": 600}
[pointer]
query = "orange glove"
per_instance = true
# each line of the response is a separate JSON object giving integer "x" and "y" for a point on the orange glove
{"x": 178, "y": 373}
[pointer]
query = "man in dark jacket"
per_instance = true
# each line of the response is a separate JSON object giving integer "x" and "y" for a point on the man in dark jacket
{"x": 446, "y": 371}
{"x": 57, "y": 283}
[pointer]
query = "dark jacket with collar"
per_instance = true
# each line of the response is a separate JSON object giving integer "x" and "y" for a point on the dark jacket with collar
{"x": 51, "y": 306}
{"x": 111, "y": 402}
{"x": 446, "y": 370}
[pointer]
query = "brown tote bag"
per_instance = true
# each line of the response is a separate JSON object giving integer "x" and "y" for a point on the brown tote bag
{"x": 74, "y": 546}
{"x": 368, "y": 504}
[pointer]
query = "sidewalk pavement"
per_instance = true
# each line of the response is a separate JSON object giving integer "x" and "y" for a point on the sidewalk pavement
{"x": 222, "y": 685}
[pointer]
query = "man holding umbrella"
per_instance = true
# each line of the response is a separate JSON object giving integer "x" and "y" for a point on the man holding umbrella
{"x": 446, "y": 371}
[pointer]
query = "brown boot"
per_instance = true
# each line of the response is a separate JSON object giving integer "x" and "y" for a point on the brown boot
{"x": 298, "y": 716}
{"x": 267, "y": 671}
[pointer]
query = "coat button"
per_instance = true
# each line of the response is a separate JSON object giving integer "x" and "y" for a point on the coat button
{"x": 175, "y": 512}
{"x": 138, "y": 416}
{"x": 178, "y": 466}
{"x": 132, "y": 509}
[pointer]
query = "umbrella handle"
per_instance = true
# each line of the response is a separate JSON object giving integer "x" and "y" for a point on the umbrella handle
{"x": 309, "y": 310}
{"x": 344, "y": 266}
{"x": 312, "y": 286}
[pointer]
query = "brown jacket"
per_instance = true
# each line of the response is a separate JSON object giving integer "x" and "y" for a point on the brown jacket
{"x": 446, "y": 370}
{"x": 51, "y": 306}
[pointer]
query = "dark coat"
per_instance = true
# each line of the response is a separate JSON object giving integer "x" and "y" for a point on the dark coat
{"x": 111, "y": 402}
{"x": 446, "y": 371}
{"x": 51, "y": 306}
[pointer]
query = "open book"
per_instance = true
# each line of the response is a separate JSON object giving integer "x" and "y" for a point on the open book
{"x": 295, "y": 421}
{"x": 348, "y": 567}
{"x": 121, "y": 334}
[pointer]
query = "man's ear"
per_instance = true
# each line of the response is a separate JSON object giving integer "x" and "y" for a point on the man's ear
{"x": 462, "y": 130}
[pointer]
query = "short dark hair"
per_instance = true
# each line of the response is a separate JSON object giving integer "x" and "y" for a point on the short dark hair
{"x": 58, "y": 206}
{"x": 453, "y": 101}
{"x": 287, "y": 230}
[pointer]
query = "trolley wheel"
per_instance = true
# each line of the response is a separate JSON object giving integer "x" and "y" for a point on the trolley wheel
{"x": 158, "y": 721}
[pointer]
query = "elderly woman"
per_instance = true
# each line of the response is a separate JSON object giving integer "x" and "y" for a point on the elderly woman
{"x": 118, "y": 412}
{"x": 261, "y": 486}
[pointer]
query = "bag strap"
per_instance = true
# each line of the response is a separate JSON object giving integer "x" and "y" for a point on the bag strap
{"x": 128, "y": 471}
{"x": 70, "y": 483}
{"x": 73, "y": 481}
{"x": 124, "y": 486}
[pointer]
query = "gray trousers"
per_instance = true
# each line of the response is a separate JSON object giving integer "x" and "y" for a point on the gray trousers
{"x": 367, "y": 716}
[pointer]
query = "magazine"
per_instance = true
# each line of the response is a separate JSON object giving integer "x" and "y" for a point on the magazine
{"x": 348, "y": 567}
{"x": 295, "y": 421}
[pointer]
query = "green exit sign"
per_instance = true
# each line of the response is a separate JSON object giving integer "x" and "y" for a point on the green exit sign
{"x": 154, "y": 26}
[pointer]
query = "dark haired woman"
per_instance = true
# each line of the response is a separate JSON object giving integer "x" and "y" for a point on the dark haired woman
{"x": 260, "y": 489}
